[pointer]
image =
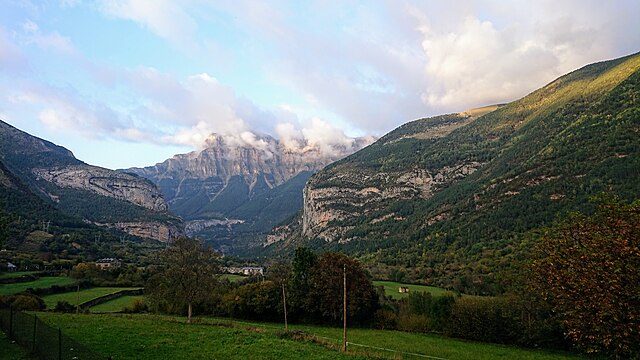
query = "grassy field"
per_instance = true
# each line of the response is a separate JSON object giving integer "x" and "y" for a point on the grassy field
{"x": 154, "y": 337}
{"x": 389, "y": 344}
{"x": 43, "y": 282}
{"x": 391, "y": 289}
{"x": 16, "y": 274}
{"x": 115, "y": 305}
{"x": 83, "y": 296}
{"x": 404, "y": 344}
{"x": 233, "y": 277}
{"x": 151, "y": 336}
{"x": 9, "y": 351}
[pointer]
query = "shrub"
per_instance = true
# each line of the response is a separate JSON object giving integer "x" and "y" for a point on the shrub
{"x": 64, "y": 306}
{"x": 385, "y": 319}
{"x": 138, "y": 306}
{"x": 27, "y": 302}
{"x": 485, "y": 319}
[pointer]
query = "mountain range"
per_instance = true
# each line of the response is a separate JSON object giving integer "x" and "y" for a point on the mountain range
{"x": 41, "y": 170}
{"x": 233, "y": 191}
{"x": 453, "y": 198}
{"x": 450, "y": 200}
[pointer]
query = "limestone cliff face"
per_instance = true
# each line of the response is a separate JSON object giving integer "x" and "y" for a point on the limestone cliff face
{"x": 332, "y": 201}
{"x": 161, "y": 231}
{"x": 81, "y": 190}
{"x": 105, "y": 182}
{"x": 213, "y": 182}
{"x": 225, "y": 157}
{"x": 362, "y": 187}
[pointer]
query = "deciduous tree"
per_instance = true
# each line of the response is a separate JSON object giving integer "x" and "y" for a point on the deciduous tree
{"x": 189, "y": 274}
{"x": 588, "y": 268}
{"x": 327, "y": 289}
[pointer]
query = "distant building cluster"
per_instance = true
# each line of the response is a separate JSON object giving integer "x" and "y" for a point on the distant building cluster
{"x": 108, "y": 263}
{"x": 247, "y": 270}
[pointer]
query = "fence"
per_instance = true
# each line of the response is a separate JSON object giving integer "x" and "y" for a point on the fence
{"x": 46, "y": 342}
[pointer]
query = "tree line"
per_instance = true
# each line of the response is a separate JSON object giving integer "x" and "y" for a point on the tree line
{"x": 578, "y": 289}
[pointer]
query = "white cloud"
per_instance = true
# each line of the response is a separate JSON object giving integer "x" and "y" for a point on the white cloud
{"x": 366, "y": 67}
{"x": 12, "y": 59}
{"x": 50, "y": 41}
{"x": 290, "y": 136}
{"x": 479, "y": 64}
{"x": 165, "y": 18}
{"x": 475, "y": 61}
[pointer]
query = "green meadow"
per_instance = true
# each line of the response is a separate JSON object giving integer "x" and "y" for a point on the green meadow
{"x": 82, "y": 296}
{"x": 151, "y": 337}
{"x": 10, "y": 275}
{"x": 391, "y": 289}
{"x": 43, "y": 282}
{"x": 145, "y": 337}
{"x": 115, "y": 305}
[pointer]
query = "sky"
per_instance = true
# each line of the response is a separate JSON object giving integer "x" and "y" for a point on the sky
{"x": 125, "y": 83}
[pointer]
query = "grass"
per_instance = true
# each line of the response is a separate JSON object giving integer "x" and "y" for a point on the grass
{"x": 115, "y": 305}
{"x": 153, "y": 336}
{"x": 43, "y": 282}
{"x": 82, "y": 296}
{"x": 12, "y": 351}
{"x": 391, "y": 289}
{"x": 11, "y": 275}
{"x": 400, "y": 344}
{"x": 233, "y": 277}
{"x": 160, "y": 337}
{"x": 430, "y": 345}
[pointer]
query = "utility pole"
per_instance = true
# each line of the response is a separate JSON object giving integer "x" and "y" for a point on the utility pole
{"x": 284, "y": 303}
{"x": 344, "y": 312}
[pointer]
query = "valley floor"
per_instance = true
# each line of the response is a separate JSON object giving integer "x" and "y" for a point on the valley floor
{"x": 153, "y": 337}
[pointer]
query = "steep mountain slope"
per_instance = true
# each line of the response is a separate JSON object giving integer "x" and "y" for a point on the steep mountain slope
{"x": 237, "y": 188}
{"x": 455, "y": 205}
{"x": 29, "y": 223}
{"x": 98, "y": 195}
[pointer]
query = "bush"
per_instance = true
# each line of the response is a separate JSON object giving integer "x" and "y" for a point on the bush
{"x": 485, "y": 319}
{"x": 27, "y": 302}
{"x": 257, "y": 301}
{"x": 414, "y": 322}
{"x": 385, "y": 319}
{"x": 64, "y": 306}
{"x": 423, "y": 312}
{"x": 138, "y": 306}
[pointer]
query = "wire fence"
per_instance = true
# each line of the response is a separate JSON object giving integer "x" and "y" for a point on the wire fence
{"x": 44, "y": 341}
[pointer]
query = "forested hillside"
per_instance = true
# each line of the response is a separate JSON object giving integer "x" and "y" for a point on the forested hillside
{"x": 454, "y": 207}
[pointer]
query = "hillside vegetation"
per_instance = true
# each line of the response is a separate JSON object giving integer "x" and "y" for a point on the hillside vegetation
{"x": 455, "y": 207}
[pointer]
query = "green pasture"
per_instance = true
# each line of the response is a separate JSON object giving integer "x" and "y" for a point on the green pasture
{"x": 144, "y": 337}
{"x": 43, "y": 282}
{"x": 115, "y": 305}
{"x": 403, "y": 344}
{"x": 152, "y": 336}
{"x": 12, "y": 351}
{"x": 11, "y": 275}
{"x": 82, "y": 296}
{"x": 233, "y": 277}
{"x": 391, "y": 289}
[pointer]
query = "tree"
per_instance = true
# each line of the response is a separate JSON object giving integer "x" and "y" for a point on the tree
{"x": 300, "y": 281}
{"x": 189, "y": 274}
{"x": 327, "y": 290}
{"x": 588, "y": 268}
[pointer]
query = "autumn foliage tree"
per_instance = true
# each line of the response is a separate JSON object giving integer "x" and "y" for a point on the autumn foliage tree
{"x": 326, "y": 293}
{"x": 189, "y": 275}
{"x": 588, "y": 269}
